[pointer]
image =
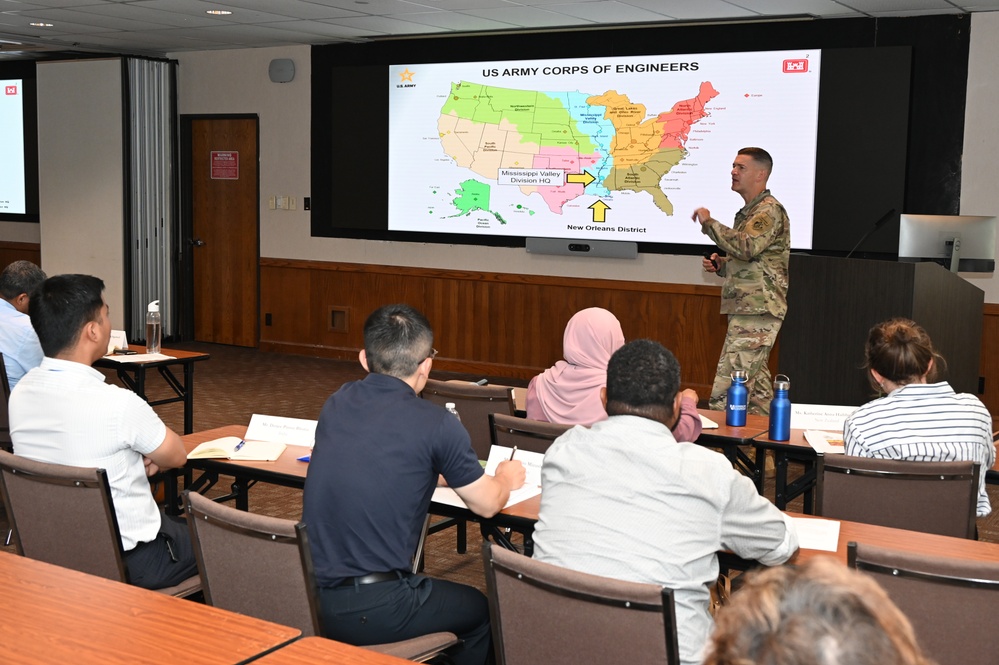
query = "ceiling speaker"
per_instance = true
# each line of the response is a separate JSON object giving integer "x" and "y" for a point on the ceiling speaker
{"x": 282, "y": 70}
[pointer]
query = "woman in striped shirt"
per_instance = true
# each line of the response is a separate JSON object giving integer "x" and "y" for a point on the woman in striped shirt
{"x": 918, "y": 418}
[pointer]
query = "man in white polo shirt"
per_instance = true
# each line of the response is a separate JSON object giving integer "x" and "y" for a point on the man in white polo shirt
{"x": 63, "y": 412}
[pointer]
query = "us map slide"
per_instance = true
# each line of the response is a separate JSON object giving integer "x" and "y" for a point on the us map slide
{"x": 615, "y": 148}
{"x": 12, "y": 196}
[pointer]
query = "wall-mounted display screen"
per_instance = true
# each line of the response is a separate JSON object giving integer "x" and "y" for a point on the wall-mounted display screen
{"x": 619, "y": 134}
{"x": 18, "y": 143}
{"x": 610, "y": 148}
{"x": 12, "y": 194}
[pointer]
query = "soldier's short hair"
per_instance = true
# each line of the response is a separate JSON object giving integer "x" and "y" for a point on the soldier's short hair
{"x": 761, "y": 157}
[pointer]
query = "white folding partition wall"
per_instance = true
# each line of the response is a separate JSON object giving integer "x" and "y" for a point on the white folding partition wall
{"x": 151, "y": 204}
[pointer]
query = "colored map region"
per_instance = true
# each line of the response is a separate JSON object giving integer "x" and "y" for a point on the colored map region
{"x": 473, "y": 195}
{"x": 486, "y": 129}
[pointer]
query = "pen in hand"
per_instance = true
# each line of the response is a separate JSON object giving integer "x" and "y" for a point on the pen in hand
{"x": 514, "y": 452}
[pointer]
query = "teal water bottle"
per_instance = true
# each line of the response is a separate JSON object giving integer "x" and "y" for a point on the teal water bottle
{"x": 780, "y": 410}
{"x": 738, "y": 400}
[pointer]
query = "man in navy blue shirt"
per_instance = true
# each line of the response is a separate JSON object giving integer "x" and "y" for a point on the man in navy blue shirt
{"x": 379, "y": 452}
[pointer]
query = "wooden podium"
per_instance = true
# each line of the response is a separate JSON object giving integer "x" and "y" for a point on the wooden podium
{"x": 832, "y": 304}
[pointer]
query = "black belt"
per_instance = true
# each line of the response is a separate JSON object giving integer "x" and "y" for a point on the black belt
{"x": 373, "y": 578}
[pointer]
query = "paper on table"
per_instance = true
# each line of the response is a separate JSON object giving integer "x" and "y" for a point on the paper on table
{"x": 826, "y": 443}
{"x": 139, "y": 358}
{"x": 532, "y": 466}
{"x": 820, "y": 416}
{"x": 497, "y": 454}
{"x": 293, "y": 431}
{"x": 448, "y": 497}
{"x": 234, "y": 448}
{"x": 817, "y": 534}
{"x": 707, "y": 423}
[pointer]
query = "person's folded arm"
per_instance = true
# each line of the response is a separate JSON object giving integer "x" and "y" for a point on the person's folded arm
{"x": 487, "y": 495}
{"x": 170, "y": 454}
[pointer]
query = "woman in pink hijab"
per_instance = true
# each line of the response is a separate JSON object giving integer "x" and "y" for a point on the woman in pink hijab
{"x": 569, "y": 392}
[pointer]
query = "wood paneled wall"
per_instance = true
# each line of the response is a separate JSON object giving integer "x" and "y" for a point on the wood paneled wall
{"x": 20, "y": 251}
{"x": 989, "y": 361}
{"x": 488, "y": 323}
{"x": 504, "y": 324}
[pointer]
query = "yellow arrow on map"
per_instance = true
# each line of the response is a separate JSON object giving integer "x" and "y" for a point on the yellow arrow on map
{"x": 599, "y": 211}
{"x": 585, "y": 178}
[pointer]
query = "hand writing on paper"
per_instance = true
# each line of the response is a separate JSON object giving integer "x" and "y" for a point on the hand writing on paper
{"x": 511, "y": 473}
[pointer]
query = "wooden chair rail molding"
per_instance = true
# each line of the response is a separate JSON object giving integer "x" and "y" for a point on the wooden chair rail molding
{"x": 486, "y": 323}
{"x": 19, "y": 251}
{"x": 498, "y": 323}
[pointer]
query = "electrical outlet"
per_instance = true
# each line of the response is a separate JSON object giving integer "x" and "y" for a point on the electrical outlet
{"x": 272, "y": 202}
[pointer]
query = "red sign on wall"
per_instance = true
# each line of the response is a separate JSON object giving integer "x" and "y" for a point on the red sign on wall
{"x": 225, "y": 165}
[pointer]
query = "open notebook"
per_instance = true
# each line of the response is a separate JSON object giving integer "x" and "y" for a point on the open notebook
{"x": 235, "y": 448}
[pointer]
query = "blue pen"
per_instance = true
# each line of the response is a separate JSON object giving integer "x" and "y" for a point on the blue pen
{"x": 239, "y": 445}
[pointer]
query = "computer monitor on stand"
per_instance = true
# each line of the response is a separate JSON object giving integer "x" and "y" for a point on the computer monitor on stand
{"x": 962, "y": 243}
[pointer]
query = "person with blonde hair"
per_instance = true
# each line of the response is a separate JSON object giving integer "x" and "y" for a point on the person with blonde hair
{"x": 819, "y": 613}
{"x": 919, "y": 418}
{"x": 568, "y": 393}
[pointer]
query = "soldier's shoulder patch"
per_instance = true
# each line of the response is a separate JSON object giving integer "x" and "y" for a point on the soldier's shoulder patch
{"x": 762, "y": 223}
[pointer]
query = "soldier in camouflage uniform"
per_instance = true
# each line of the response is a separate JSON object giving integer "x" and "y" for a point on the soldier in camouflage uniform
{"x": 754, "y": 294}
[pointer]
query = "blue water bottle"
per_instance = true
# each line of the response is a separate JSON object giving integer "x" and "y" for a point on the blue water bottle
{"x": 780, "y": 410}
{"x": 738, "y": 399}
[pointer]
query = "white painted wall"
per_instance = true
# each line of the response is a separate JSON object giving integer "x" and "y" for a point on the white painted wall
{"x": 80, "y": 173}
{"x": 20, "y": 232}
{"x": 81, "y": 184}
{"x": 979, "y": 193}
{"x": 237, "y": 82}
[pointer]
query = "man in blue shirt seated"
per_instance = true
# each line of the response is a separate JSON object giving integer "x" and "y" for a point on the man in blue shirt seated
{"x": 623, "y": 499}
{"x": 378, "y": 455}
{"x": 18, "y": 341}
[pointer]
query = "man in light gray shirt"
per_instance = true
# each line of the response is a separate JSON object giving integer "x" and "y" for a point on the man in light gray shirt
{"x": 623, "y": 499}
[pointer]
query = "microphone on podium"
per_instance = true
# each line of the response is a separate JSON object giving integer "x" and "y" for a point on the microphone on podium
{"x": 877, "y": 225}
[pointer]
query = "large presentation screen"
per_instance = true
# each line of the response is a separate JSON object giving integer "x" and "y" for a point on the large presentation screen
{"x": 13, "y": 196}
{"x": 616, "y": 148}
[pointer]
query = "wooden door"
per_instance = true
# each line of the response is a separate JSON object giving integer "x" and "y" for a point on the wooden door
{"x": 225, "y": 230}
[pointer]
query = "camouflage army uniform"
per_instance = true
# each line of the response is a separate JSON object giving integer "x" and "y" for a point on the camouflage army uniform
{"x": 754, "y": 295}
